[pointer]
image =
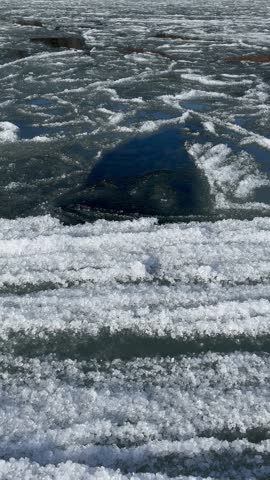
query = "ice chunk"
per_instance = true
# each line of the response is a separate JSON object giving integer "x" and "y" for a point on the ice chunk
{"x": 231, "y": 176}
{"x": 8, "y": 132}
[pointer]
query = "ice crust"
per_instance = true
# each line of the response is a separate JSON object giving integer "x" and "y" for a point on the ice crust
{"x": 182, "y": 280}
{"x": 183, "y": 416}
{"x": 70, "y": 470}
{"x": 137, "y": 416}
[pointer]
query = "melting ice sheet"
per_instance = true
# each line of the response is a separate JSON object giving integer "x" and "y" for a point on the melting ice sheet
{"x": 133, "y": 350}
{"x": 146, "y": 67}
{"x": 99, "y": 329}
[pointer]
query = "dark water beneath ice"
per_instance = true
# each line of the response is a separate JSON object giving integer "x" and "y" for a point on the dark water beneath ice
{"x": 149, "y": 175}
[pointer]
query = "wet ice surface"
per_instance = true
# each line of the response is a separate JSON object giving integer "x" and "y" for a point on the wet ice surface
{"x": 147, "y": 68}
{"x": 133, "y": 350}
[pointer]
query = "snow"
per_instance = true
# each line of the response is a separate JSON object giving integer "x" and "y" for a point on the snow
{"x": 181, "y": 280}
{"x": 100, "y": 415}
{"x": 61, "y": 416}
{"x": 230, "y": 176}
{"x": 209, "y": 80}
{"x": 75, "y": 413}
{"x": 8, "y": 132}
{"x": 69, "y": 470}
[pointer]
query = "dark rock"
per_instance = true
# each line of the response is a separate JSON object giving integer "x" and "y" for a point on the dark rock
{"x": 130, "y": 50}
{"x": 249, "y": 58}
{"x": 71, "y": 42}
{"x": 28, "y": 22}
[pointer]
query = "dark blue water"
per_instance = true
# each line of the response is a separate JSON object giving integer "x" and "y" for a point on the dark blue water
{"x": 150, "y": 175}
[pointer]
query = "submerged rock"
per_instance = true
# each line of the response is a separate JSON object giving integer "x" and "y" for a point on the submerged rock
{"x": 249, "y": 58}
{"x": 61, "y": 41}
{"x": 144, "y": 195}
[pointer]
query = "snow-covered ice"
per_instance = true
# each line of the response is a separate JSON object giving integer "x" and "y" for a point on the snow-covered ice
{"x": 81, "y": 106}
{"x": 8, "y": 132}
{"x": 93, "y": 294}
{"x": 134, "y": 350}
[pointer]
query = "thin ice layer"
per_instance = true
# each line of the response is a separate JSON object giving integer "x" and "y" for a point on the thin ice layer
{"x": 149, "y": 65}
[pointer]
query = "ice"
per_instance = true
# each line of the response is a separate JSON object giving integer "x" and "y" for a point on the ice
{"x": 70, "y": 471}
{"x": 210, "y": 127}
{"x": 134, "y": 350}
{"x": 208, "y": 80}
{"x": 8, "y": 132}
{"x": 194, "y": 94}
{"x": 181, "y": 281}
{"x": 151, "y": 126}
{"x": 141, "y": 415}
{"x": 230, "y": 176}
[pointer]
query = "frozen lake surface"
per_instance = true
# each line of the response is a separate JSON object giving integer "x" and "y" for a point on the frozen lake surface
{"x": 135, "y": 347}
